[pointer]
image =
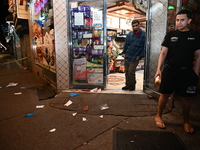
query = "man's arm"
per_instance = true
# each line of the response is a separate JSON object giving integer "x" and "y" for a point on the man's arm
{"x": 161, "y": 60}
{"x": 197, "y": 62}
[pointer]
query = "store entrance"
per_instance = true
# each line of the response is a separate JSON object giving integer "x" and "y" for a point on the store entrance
{"x": 118, "y": 21}
{"x": 97, "y": 38}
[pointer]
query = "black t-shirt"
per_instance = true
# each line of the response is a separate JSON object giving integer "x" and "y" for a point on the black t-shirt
{"x": 181, "y": 47}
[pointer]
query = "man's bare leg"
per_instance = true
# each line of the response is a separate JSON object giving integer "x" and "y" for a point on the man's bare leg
{"x": 161, "y": 105}
{"x": 186, "y": 105}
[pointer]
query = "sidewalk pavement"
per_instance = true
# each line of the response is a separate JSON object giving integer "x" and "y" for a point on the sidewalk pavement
{"x": 75, "y": 127}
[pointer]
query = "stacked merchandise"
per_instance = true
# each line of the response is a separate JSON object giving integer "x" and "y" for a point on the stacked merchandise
{"x": 87, "y": 46}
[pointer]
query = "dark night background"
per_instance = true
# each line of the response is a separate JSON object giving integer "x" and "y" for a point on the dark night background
{"x": 3, "y": 14}
{"x": 4, "y": 11}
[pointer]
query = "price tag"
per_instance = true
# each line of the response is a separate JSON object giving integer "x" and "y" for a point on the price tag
{"x": 98, "y": 46}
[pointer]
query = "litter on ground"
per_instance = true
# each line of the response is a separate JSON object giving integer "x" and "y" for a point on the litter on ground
{"x": 104, "y": 106}
{"x": 12, "y": 84}
{"x": 29, "y": 115}
{"x": 40, "y": 106}
{"x": 19, "y": 93}
{"x": 52, "y": 130}
{"x": 73, "y": 94}
{"x": 68, "y": 103}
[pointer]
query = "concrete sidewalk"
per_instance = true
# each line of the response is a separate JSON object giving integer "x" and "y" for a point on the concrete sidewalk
{"x": 74, "y": 128}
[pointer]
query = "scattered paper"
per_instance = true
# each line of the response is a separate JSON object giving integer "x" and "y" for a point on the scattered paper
{"x": 40, "y": 106}
{"x": 74, "y": 114}
{"x": 52, "y": 130}
{"x": 104, "y": 106}
{"x": 12, "y": 84}
{"x": 84, "y": 119}
{"x": 19, "y": 93}
{"x": 68, "y": 103}
{"x": 94, "y": 90}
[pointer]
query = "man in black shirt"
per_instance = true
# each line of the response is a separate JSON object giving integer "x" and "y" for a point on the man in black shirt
{"x": 180, "y": 61}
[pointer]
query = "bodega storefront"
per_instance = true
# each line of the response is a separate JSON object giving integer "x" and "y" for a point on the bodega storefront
{"x": 66, "y": 26}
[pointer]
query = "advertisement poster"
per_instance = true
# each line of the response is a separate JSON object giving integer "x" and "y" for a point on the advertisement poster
{"x": 80, "y": 71}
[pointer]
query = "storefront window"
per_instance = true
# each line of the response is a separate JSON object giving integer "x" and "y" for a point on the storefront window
{"x": 87, "y": 44}
{"x": 43, "y": 34}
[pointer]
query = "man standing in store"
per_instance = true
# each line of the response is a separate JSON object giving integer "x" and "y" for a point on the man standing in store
{"x": 133, "y": 51}
{"x": 178, "y": 67}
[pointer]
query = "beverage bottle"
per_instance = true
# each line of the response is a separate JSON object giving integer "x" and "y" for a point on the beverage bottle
{"x": 157, "y": 80}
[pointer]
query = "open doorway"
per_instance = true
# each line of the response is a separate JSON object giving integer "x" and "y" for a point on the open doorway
{"x": 119, "y": 18}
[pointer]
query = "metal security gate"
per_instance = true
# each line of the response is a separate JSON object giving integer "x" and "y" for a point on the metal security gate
{"x": 156, "y": 30}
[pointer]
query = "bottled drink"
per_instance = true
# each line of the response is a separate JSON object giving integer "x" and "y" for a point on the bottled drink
{"x": 157, "y": 80}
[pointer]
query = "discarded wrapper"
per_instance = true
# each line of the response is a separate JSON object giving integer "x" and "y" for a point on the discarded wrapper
{"x": 19, "y": 93}
{"x": 40, "y": 106}
{"x": 73, "y": 94}
{"x": 29, "y": 115}
{"x": 12, "y": 84}
{"x": 84, "y": 119}
{"x": 94, "y": 90}
{"x": 68, "y": 103}
{"x": 85, "y": 108}
{"x": 52, "y": 130}
{"x": 104, "y": 106}
{"x": 74, "y": 114}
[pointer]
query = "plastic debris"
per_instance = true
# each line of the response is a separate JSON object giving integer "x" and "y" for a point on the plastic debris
{"x": 101, "y": 116}
{"x": 74, "y": 114}
{"x": 68, "y": 103}
{"x": 94, "y": 90}
{"x": 85, "y": 108}
{"x": 29, "y": 115}
{"x": 84, "y": 119}
{"x": 52, "y": 130}
{"x": 104, "y": 106}
{"x": 73, "y": 94}
{"x": 19, "y": 93}
{"x": 40, "y": 106}
{"x": 12, "y": 84}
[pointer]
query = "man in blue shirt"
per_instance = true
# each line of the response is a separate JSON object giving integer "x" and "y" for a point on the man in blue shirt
{"x": 134, "y": 49}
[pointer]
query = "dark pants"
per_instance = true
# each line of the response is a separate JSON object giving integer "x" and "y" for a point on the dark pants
{"x": 130, "y": 68}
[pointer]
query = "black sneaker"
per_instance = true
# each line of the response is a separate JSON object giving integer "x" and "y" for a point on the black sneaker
{"x": 125, "y": 88}
{"x": 132, "y": 88}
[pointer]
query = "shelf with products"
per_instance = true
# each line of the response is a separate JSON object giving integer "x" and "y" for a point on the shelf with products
{"x": 87, "y": 47}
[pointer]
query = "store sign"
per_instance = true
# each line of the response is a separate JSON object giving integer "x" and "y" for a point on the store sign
{"x": 78, "y": 19}
{"x": 97, "y": 17}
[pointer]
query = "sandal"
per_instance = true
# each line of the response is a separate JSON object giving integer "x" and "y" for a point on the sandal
{"x": 160, "y": 124}
{"x": 188, "y": 128}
